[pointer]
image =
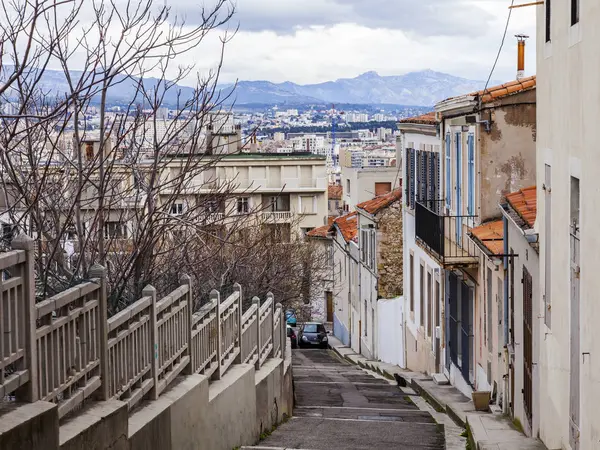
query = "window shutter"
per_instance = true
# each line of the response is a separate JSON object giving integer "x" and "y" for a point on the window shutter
{"x": 471, "y": 164}
{"x": 418, "y": 157}
{"x": 412, "y": 178}
{"x": 436, "y": 189}
{"x": 448, "y": 172}
{"x": 407, "y": 180}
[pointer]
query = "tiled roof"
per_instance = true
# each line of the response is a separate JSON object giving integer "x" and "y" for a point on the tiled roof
{"x": 524, "y": 202}
{"x": 348, "y": 225}
{"x": 425, "y": 119}
{"x": 491, "y": 236}
{"x": 321, "y": 232}
{"x": 506, "y": 89}
{"x": 335, "y": 192}
{"x": 375, "y": 205}
{"x": 330, "y": 220}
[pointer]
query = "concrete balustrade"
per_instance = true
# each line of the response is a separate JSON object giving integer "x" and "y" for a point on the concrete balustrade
{"x": 84, "y": 372}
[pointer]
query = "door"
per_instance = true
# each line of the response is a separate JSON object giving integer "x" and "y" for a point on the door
{"x": 458, "y": 189}
{"x": 329, "y": 299}
{"x": 528, "y": 344}
{"x": 466, "y": 327}
{"x": 574, "y": 394}
{"x": 437, "y": 331}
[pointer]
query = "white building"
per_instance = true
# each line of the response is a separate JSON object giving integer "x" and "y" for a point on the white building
{"x": 363, "y": 184}
{"x": 423, "y": 275}
{"x": 568, "y": 164}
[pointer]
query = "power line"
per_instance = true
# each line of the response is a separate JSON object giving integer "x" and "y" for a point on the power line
{"x": 512, "y": 3}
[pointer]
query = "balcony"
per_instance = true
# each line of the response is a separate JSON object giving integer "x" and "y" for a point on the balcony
{"x": 445, "y": 237}
{"x": 277, "y": 216}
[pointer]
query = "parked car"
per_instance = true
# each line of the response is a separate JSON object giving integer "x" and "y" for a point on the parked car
{"x": 313, "y": 333}
{"x": 291, "y": 333}
{"x": 290, "y": 317}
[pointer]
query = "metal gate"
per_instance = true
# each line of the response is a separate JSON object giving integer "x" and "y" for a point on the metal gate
{"x": 527, "y": 343}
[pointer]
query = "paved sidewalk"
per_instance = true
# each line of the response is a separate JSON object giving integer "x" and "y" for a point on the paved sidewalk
{"x": 489, "y": 431}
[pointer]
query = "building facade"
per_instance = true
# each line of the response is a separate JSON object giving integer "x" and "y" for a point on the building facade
{"x": 568, "y": 64}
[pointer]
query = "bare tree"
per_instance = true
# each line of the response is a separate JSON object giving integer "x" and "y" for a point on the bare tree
{"x": 129, "y": 188}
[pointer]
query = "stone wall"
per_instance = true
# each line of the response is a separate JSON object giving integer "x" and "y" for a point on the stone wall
{"x": 390, "y": 265}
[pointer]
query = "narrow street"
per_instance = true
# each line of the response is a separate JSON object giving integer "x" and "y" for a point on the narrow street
{"x": 339, "y": 406}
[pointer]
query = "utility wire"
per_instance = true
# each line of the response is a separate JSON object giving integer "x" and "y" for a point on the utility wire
{"x": 501, "y": 47}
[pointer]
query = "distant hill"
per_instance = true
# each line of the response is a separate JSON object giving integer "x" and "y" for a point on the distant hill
{"x": 423, "y": 88}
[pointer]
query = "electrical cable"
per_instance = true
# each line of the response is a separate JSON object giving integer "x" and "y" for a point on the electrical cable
{"x": 500, "y": 49}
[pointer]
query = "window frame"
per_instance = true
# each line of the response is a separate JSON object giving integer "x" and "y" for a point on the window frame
{"x": 243, "y": 205}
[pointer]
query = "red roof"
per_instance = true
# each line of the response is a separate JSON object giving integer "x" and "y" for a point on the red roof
{"x": 506, "y": 89}
{"x": 491, "y": 235}
{"x": 321, "y": 232}
{"x": 375, "y": 205}
{"x": 335, "y": 192}
{"x": 348, "y": 225}
{"x": 425, "y": 119}
{"x": 524, "y": 202}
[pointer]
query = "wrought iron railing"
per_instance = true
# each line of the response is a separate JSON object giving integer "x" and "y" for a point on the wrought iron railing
{"x": 444, "y": 235}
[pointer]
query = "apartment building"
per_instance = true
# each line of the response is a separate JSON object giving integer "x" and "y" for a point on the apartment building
{"x": 362, "y": 184}
{"x": 487, "y": 142}
{"x": 568, "y": 63}
{"x": 423, "y": 275}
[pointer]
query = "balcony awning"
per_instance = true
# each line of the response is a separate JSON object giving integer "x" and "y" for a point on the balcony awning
{"x": 490, "y": 237}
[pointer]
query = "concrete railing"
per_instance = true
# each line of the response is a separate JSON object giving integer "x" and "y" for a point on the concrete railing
{"x": 65, "y": 349}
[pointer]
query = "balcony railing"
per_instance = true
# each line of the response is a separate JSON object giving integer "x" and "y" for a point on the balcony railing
{"x": 445, "y": 236}
{"x": 277, "y": 216}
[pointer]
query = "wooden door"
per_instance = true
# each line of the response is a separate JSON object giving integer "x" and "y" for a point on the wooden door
{"x": 528, "y": 344}
{"x": 329, "y": 299}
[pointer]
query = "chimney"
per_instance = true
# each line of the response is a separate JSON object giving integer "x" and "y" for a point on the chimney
{"x": 521, "y": 55}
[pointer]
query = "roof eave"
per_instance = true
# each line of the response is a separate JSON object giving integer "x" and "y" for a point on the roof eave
{"x": 457, "y": 105}
{"x": 420, "y": 128}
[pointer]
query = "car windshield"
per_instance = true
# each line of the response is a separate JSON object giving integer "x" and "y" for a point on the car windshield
{"x": 314, "y": 328}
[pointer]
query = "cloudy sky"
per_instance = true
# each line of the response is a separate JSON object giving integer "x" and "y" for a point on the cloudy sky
{"x": 310, "y": 41}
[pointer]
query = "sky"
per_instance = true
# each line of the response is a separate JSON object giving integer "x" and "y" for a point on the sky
{"x": 311, "y": 41}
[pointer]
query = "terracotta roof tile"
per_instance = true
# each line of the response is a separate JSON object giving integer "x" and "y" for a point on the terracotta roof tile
{"x": 503, "y": 90}
{"x": 335, "y": 192}
{"x": 491, "y": 236}
{"x": 524, "y": 202}
{"x": 376, "y": 204}
{"x": 321, "y": 232}
{"x": 425, "y": 119}
{"x": 348, "y": 225}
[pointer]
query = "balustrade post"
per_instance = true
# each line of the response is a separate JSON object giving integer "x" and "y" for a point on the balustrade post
{"x": 271, "y": 297}
{"x": 256, "y": 301}
{"x": 150, "y": 291}
{"x": 215, "y": 295}
{"x": 99, "y": 272}
{"x": 238, "y": 288}
{"x": 282, "y": 330}
{"x": 29, "y": 392}
{"x": 277, "y": 331}
{"x": 185, "y": 279}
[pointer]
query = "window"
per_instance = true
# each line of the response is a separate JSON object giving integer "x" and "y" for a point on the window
{"x": 366, "y": 318}
{"x": 115, "y": 230}
{"x": 280, "y": 203}
{"x": 382, "y": 189}
{"x": 242, "y": 205}
{"x": 422, "y": 295}
{"x": 348, "y": 186}
{"x": 548, "y": 245}
{"x": 89, "y": 151}
{"x": 548, "y": 20}
{"x": 574, "y": 12}
{"x": 411, "y": 280}
{"x": 448, "y": 172}
{"x": 429, "y": 304}
{"x": 177, "y": 209}
{"x": 471, "y": 175}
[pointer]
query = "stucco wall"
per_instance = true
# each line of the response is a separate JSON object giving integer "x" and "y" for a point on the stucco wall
{"x": 507, "y": 154}
{"x": 30, "y": 427}
{"x": 568, "y": 114}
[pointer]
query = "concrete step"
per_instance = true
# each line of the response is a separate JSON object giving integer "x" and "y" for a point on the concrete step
{"x": 440, "y": 379}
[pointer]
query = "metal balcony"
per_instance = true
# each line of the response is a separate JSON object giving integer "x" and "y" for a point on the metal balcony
{"x": 444, "y": 236}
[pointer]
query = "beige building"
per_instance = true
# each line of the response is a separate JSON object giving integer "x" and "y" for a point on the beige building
{"x": 568, "y": 164}
{"x": 360, "y": 185}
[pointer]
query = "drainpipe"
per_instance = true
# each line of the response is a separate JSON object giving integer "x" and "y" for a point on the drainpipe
{"x": 506, "y": 353}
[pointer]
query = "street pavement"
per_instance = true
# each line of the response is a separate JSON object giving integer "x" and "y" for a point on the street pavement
{"x": 340, "y": 406}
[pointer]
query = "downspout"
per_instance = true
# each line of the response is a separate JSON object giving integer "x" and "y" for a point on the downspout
{"x": 505, "y": 399}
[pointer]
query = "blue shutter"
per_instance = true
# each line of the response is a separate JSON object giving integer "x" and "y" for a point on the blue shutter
{"x": 458, "y": 207}
{"x": 471, "y": 163}
{"x": 448, "y": 172}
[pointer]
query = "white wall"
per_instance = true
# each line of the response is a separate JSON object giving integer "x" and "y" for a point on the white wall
{"x": 390, "y": 331}
{"x": 567, "y": 140}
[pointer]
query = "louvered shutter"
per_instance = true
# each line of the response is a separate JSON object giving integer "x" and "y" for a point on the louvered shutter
{"x": 448, "y": 172}
{"x": 436, "y": 187}
{"x": 407, "y": 180}
{"x": 412, "y": 178}
{"x": 471, "y": 174}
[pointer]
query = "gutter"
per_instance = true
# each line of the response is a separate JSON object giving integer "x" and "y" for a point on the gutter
{"x": 530, "y": 235}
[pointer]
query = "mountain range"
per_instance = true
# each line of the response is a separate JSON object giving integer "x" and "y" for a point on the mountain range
{"x": 423, "y": 88}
